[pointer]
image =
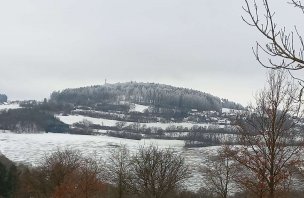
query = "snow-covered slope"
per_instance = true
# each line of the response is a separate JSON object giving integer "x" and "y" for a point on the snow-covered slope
{"x": 71, "y": 119}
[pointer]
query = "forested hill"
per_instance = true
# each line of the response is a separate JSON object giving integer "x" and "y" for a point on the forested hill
{"x": 157, "y": 95}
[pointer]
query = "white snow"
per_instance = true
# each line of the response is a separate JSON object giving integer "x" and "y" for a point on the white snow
{"x": 226, "y": 110}
{"x": 232, "y": 111}
{"x": 30, "y": 148}
{"x": 71, "y": 119}
{"x": 139, "y": 108}
{"x": 9, "y": 106}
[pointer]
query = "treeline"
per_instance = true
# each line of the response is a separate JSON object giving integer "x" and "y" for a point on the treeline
{"x": 203, "y": 137}
{"x": 195, "y": 136}
{"x": 151, "y": 115}
{"x": 157, "y": 95}
{"x": 231, "y": 105}
{"x": 30, "y": 120}
{"x": 150, "y": 172}
{"x": 3, "y": 98}
{"x": 47, "y": 106}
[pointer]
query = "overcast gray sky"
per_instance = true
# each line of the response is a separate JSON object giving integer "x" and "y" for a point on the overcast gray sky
{"x": 200, "y": 44}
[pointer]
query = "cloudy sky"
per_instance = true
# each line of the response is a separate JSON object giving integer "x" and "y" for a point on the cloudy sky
{"x": 200, "y": 44}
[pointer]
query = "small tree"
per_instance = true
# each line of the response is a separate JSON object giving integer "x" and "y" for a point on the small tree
{"x": 59, "y": 165}
{"x": 157, "y": 172}
{"x": 270, "y": 146}
{"x": 64, "y": 173}
{"x": 82, "y": 183}
{"x": 118, "y": 170}
{"x": 218, "y": 173}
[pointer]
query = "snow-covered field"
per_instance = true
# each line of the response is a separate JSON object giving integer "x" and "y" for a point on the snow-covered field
{"x": 30, "y": 148}
{"x": 9, "y": 106}
{"x": 139, "y": 108}
{"x": 71, "y": 119}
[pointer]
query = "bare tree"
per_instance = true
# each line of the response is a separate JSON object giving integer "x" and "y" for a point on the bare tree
{"x": 218, "y": 173}
{"x": 157, "y": 172}
{"x": 65, "y": 173}
{"x": 60, "y": 164}
{"x": 83, "y": 182}
{"x": 284, "y": 49}
{"x": 118, "y": 170}
{"x": 270, "y": 140}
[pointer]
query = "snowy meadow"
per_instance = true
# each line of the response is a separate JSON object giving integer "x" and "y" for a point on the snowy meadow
{"x": 30, "y": 148}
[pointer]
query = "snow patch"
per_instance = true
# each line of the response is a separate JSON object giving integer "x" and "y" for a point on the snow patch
{"x": 138, "y": 108}
{"x": 9, "y": 106}
{"x": 72, "y": 119}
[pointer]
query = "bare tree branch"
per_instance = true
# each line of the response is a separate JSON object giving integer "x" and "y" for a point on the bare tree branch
{"x": 271, "y": 142}
{"x": 298, "y": 4}
{"x": 285, "y": 50}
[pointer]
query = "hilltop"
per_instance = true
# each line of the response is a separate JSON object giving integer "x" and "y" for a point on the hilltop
{"x": 151, "y": 94}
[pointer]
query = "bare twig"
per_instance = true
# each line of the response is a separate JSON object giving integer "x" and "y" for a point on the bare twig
{"x": 285, "y": 50}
